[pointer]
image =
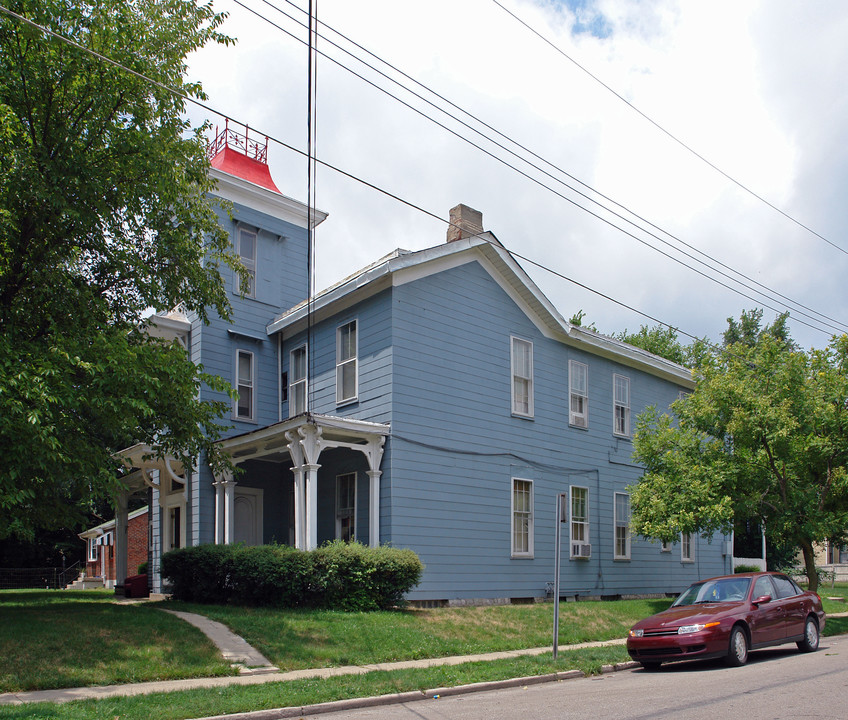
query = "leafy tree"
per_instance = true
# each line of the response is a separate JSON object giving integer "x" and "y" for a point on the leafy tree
{"x": 103, "y": 217}
{"x": 663, "y": 341}
{"x": 763, "y": 436}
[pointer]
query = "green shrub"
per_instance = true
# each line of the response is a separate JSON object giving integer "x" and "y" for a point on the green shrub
{"x": 338, "y": 575}
{"x": 142, "y": 568}
{"x": 746, "y": 568}
{"x": 199, "y": 573}
{"x": 275, "y": 575}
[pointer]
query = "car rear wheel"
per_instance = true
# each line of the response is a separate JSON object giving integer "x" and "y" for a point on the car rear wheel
{"x": 810, "y": 643}
{"x": 651, "y": 666}
{"x": 738, "y": 653}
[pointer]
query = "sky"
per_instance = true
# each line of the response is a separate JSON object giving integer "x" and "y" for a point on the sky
{"x": 755, "y": 88}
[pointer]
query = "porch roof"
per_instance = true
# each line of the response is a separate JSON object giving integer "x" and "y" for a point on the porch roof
{"x": 271, "y": 443}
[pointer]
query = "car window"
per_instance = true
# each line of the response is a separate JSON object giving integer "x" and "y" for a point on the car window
{"x": 785, "y": 587}
{"x": 763, "y": 586}
{"x": 711, "y": 591}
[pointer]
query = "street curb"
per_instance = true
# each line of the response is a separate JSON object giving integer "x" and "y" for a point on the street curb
{"x": 413, "y": 696}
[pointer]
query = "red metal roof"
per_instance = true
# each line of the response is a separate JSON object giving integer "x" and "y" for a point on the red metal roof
{"x": 236, "y": 154}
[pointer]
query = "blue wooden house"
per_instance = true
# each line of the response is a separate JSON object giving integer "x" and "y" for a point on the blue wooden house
{"x": 434, "y": 400}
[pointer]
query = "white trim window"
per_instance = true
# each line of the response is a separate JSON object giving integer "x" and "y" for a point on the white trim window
{"x": 665, "y": 546}
{"x": 578, "y": 383}
{"x": 522, "y": 518}
{"x": 579, "y": 521}
{"x": 686, "y": 548}
{"x": 522, "y": 376}
{"x": 92, "y": 549}
{"x": 297, "y": 380}
{"x": 621, "y": 405}
{"x": 245, "y": 385}
{"x": 346, "y": 507}
{"x": 621, "y": 528}
{"x": 247, "y": 256}
{"x": 347, "y": 380}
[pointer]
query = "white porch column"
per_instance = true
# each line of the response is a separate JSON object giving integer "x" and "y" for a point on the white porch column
{"x": 374, "y": 508}
{"x": 121, "y": 540}
{"x": 229, "y": 509}
{"x": 311, "y": 506}
{"x": 374, "y": 454}
{"x": 296, "y": 453}
{"x": 299, "y": 508}
{"x": 219, "y": 511}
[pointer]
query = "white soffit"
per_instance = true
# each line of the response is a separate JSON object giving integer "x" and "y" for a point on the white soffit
{"x": 256, "y": 197}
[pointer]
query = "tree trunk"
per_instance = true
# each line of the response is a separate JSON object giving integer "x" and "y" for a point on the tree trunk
{"x": 810, "y": 564}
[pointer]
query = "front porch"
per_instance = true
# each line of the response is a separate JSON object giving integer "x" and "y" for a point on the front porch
{"x": 301, "y": 483}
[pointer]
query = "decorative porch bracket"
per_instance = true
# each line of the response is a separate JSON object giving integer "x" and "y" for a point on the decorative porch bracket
{"x": 305, "y": 448}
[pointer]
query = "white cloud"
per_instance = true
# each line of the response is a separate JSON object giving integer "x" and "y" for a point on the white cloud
{"x": 753, "y": 86}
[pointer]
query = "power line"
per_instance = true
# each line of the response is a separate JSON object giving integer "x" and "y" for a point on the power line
{"x": 666, "y": 132}
{"x": 838, "y": 328}
{"x": 183, "y": 95}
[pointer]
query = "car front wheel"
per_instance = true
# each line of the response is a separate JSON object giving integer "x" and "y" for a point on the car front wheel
{"x": 810, "y": 642}
{"x": 738, "y": 653}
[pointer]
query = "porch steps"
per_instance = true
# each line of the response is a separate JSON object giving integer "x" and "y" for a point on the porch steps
{"x": 86, "y": 583}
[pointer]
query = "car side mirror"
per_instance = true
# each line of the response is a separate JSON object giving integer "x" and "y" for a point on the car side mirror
{"x": 761, "y": 600}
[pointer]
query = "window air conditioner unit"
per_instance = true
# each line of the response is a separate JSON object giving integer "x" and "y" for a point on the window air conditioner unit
{"x": 581, "y": 550}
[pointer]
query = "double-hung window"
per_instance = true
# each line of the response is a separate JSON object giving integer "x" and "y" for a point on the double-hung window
{"x": 346, "y": 363}
{"x": 622, "y": 526}
{"x": 244, "y": 385}
{"x": 297, "y": 381}
{"x": 522, "y": 377}
{"x": 247, "y": 255}
{"x": 522, "y": 518}
{"x": 580, "y": 547}
{"x": 346, "y": 507}
{"x": 686, "y": 547}
{"x": 621, "y": 405}
{"x": 578, "y": 382}
{"x": 92, "y": 549}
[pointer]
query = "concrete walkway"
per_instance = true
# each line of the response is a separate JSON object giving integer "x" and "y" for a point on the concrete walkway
{"x": 234, "y": 648}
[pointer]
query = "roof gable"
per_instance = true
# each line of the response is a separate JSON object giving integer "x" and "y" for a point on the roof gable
{"x": 401, "y": 267}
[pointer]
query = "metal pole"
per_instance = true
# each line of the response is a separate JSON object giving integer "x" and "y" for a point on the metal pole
{"x": 557, "y": 543}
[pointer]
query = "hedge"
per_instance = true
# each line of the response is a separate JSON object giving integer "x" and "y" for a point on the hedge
{"x": 338, "y": 575}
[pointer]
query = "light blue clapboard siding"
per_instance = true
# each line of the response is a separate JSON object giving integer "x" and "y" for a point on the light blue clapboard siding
{"x": 434, "y": 361}
{"x": 451, "y": 388}
{"x": 281, "y": 282}
{"x": 373, "y": 318}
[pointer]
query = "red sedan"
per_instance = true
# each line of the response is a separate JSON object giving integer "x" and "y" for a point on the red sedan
{"x": 728, "y": 616}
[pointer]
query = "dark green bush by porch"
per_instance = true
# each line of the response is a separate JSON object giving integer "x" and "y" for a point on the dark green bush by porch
{"x": 339, "y": 576}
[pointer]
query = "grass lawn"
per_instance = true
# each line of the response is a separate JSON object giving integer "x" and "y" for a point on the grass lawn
{"x": 294, "y": 639}
{"x": 199, "y": 703}
{"x": 57, "y": 639}
{"x": 60, "y": 639}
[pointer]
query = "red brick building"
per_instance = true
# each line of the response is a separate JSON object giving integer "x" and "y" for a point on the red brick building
{"x": 100, "y": 547}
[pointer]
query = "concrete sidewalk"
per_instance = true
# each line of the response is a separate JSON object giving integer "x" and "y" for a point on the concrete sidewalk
{"x": 256, "y": 669}
{"x": 146, "y": 688}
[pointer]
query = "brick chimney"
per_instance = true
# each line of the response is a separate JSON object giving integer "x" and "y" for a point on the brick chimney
{"x": 465, "y": 222}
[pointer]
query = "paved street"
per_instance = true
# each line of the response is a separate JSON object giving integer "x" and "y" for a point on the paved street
{"x": 777, "y": 683}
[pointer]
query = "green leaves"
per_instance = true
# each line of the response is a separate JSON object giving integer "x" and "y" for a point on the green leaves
{"x": 763, "y": 436}
{"x": 103, "y": 216}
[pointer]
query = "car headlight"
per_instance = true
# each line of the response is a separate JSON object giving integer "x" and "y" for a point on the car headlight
{"x": 687, "y": 629}
{"x": 636, "y": 632}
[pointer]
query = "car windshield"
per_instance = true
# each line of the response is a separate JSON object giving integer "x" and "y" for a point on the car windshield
{"x": 711, "y": 591}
